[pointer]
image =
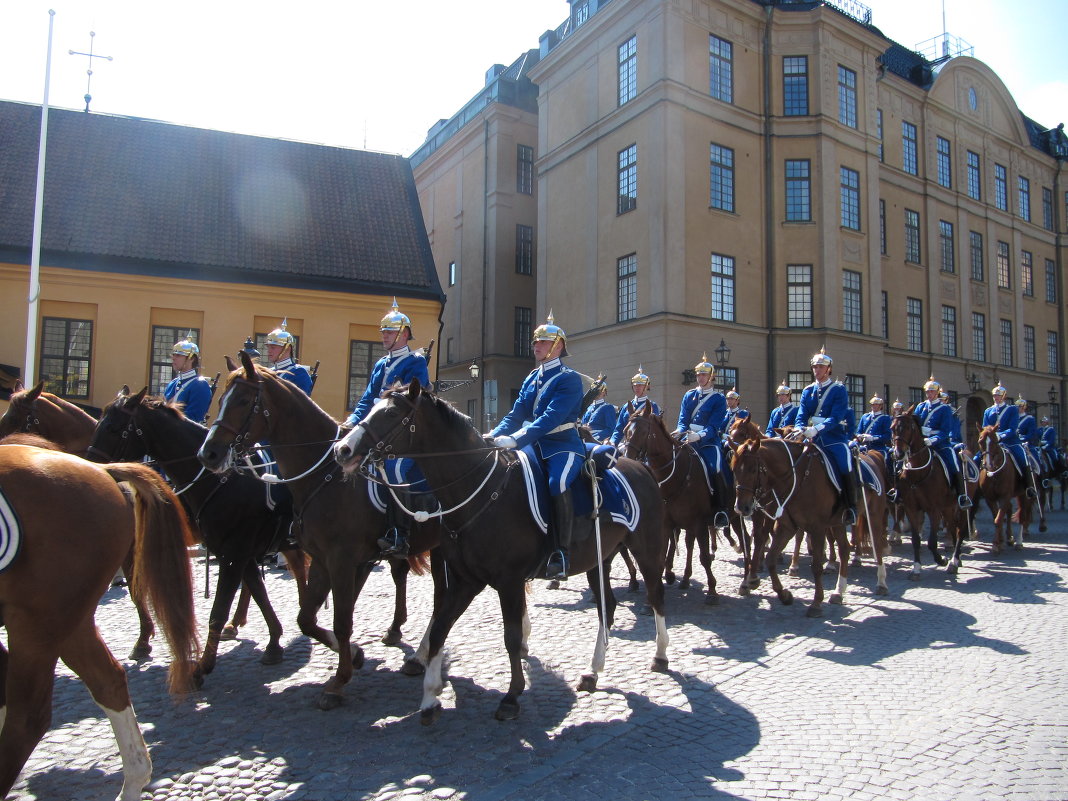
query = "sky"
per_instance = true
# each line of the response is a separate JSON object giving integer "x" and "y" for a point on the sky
{"x": 377, "y": 75}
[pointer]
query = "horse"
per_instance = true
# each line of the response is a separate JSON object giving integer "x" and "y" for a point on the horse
{"x": 232, "y": 515}
{"x": 336, "y": 522}
{"x": 680, "y": 475}
{"x": 493, "y": 538}
{"x": 999, "y": 484}
{"x": 76, "y": 524}
{"x": 924, "y": 490}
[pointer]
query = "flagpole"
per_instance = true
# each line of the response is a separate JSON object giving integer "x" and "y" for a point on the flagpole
{"x": 34, "y": 297}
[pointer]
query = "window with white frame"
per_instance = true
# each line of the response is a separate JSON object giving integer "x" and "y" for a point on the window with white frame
{"x": 1027, "y": 273}
{"x": 1004, "y": 266}
{"x": 852, "y": 301}
{"x": 1006, "y": 343}
{"x": 798, "y": 190}
{"x": 628, "y": 70}
{"x": 795, "y": 86}
{"x": 912, "y": 236}
{"x": 1001, "y": 188}
{"x": 1053, "y": 353}
{"x": 722, "y": 287}
{"x": 721, "y": 177}
{"x": 949, "y": 331}
{"x": 847, "y": 96}
{"x": 720, "y": 69}
{"x": 850, "y": 197}
{"x": 66, "y": 351}
{"x": 627, "y": 287}
{"x": 799, "y": 295}
{"x": 946, "y": 246}
{"x": 979, "y": 336}
{"x": 914, "y": 323}
{"x": 975, "y": 240}
{"x": 627, "y": 179}
{"x": 1023, "y": 198}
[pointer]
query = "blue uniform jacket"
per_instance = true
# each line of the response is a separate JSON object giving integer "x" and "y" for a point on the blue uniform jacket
{"x": 192, "y": 390}
{"x": 1048, "y": 437}
{"x": 827, "y": 420}
{"x": 551, "y": 396}
{"x": 781, "y": 417}
{"x": 877, "y": 424}
{"x": 939, "y": 422}
{"x": 401, "y": 365}
{"x": 1006, "y": 418}
{"x": 624, "y": 416}
{"x": 601, "y": 418}
{"x": 705, "y": 413}
{"x": 1027, "y": 430}
{"x": 295, "y": 374}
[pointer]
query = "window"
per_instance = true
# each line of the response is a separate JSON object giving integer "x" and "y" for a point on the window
{"x": 1053, "y": 353}
{"x": 795, "y": 86}
{"x": 949, "y": 331}
{"x": 1023, "y": 198}
{"x": 799, "y": 295}
{"x": 945, "y": 162}
{"x": 847, "y": 97}
{"x": 66, "y": 354}
{"x": 879, "y": 130}
{"x": 1051, "y": 281}
{"x": 628, "y": 70}
{"x": 916, "y": 395}
{"x": 1047, "y": 208}
{"x": 524, "y": 249}
{"x": 1029, "y": 347}
{"x": 909, "y": 161}
{"x": 1004, "y": 268}
{"x": 1006, "y": 343}
{"x": 627, "y": 288}
{"x": 979, "y": 336}
{"x": 454, "y": 273}
{"x": 978, "y": 269}
{"x": 1027, "y": 274}
{"x": 524, "y": 332}
{"x": 727, "y": 377}
{"x": 945, "y": 245}
{"x": 524, "y": 170}
{"x": 628, "y": 179}
{"x": 797, "y": 381}
{"x": 798, "y": 190}
{"x": 850, "y": 180}
{"x": 854, "y": 385}
{"x": 362, "y": 357}
{"x": 912, "y": 236}
{"x": 581, "y": 13}
{"x": 885, "y": 328}
{"x": 721, "y": 177}
{"x": 975, "y": 190}
{"x": 1001, "y": 188}
{"x": 882, "y": 226}
{"x": 720, "y": 69}
{"x": 914, "y": 314}
{"x": 160, "y": 371}
{"x": 722, "y": 287}
{"x": 852, "y": 302}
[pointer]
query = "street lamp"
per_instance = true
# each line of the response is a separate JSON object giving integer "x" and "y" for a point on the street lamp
{"x": 1052, "y": 394}
{"x": 723, "y": 355}
{"x": 446, "y": 385}
{"x": 973, "y": 383}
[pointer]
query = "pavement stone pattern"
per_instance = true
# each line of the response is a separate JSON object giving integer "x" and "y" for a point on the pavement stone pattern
{"x": 947, "y": 688}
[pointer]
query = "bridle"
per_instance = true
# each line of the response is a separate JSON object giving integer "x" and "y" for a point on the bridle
{"x": 762, "y": 472}
{"x": 238, "y": 445}
{"x": 131, "y": 428}
{"x": 988, "y": 456}
{"x": 905, "y": 455}
{"x": 641, "y": 453}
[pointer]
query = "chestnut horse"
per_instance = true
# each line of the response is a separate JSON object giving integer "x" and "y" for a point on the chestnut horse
{"x": 999, "y": 484}
{"x": 76, "y": 525}
{"x": 335, "y": 521}
{"x": 924, "y": 490}
{"x": 493, "y": 537}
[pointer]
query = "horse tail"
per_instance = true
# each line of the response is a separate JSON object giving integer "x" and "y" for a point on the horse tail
{"x": 419, "y": 563}
{"x": 161, "y": 566}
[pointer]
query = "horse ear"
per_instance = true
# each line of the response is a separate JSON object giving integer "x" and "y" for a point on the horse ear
{"x": 414, "y": 389}
{"x": 18, "y": 385}
{"x": 231, "y": 365}
{"x": 123, "y": 392}
{"x": 140, "y": 396}
{"x": 250, "y": 368}
{"x": 36, "y": 391}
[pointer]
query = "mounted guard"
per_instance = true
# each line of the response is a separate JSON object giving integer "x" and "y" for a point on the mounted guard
{"x": 281, "y": 352}
{"x": 937, "y": 423}
{"x": 601, "y": 415}
{"x": 188, "y": 387}
{"x": 1027, "y": 430}
{"x": 640, "y": 383}
{"x": 701, "y": 425}
{"x": 1047, "y": 436}
{"x": 1005, "y": 417}
{"x": 784, "y": 415}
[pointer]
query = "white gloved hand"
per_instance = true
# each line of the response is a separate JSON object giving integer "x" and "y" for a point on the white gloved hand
{"x": 692, "y": 437}
{"x": 930, "y": 441}
{"x": 810, "y": 432}
{"x": 504, "y": 441}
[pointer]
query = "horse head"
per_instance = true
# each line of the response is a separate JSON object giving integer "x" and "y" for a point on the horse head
{"x": 117, "y": 437}
{"x": 389, "y": 428}
{"x": 242, "y": 420}
{"x": 743, "y": 430}
{"x": 748, "y": 474}
{"x": 21, "y": 416}
{"x": 906, "y": 434}
{"x": 644, "y": 437}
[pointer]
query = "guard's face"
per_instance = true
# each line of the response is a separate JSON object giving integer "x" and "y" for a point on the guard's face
{"x": 180, "y": 362}
{"x": 732, "y": 403}
{"x": 783, "y": 399}
{"x": 640, "y": 390}
{"x": 274, "y": 352}
{"x": 932, "y": 395}
{"x": 820, "y": 372}
{"x": 543, "y": 350}
{"x": 704, "y": 379}
{"x": 877, "y": 408}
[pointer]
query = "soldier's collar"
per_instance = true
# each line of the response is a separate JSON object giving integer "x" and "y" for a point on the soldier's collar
{"x": 187, "y": 375}
{"x": 393, "y": 354}
{"x": 549, "y": 365}
{"x": 827, "y": 383}
{"x": 282, "y": 365}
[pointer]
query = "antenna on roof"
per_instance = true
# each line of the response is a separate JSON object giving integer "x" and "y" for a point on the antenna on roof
{"x": 89, "y": 72}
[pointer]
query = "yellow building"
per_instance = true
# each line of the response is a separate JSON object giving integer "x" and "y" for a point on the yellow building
{"x": 152, "y": 231}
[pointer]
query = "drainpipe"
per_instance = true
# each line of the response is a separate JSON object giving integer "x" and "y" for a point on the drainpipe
{"x": 1058, "y": 234}
{"x": 483, "y": 413}
{"x": 769, "y": 207}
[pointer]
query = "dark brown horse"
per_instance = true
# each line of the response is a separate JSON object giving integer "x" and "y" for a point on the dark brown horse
{"x": 493, "y": 538}
{"x": 335, "y": 521}
{"x": 999, "y": 485}
{"x": 924, "y": 490}
{"x": 76, "y": 525}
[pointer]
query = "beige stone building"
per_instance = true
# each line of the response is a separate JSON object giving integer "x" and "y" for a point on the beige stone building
{"x": 773, "y": 176}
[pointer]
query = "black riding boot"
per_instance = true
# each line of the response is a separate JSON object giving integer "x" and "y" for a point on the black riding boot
{"x": 849, "y": 498}
{"x": 720, "y": 501}
{"x": 1032, "y": 490}
{"x": 394, "y": 542}
{"x": 963, "y": 501}
{"x": 561, "y": 520}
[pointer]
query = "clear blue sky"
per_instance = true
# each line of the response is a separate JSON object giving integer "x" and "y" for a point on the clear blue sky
{"x": 359, "y": 73}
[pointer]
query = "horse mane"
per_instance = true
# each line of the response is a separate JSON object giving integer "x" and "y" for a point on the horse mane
{"x": 158, "y": 402}
{"x": 36, "y": 440}
{"x": 65, "y": 406}
{"x": 270, "y": 377}
{"x": 453, "y": 416}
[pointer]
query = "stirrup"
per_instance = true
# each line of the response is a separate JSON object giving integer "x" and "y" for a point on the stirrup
{"x": 849, "y": 516}
{"x": 891, "y": 494}
{"x": 556, "y": 567}
{"x": 721, "y": 520}
{"x": 394, "y": 543}
{"x": 1031, "y": 493}
{"x": 964, "y": 502}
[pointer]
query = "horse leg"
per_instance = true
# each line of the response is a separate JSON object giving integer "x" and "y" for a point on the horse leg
{"x": 600, "y": 590}
{"x": 935, "y": 525}
{"x": 795, "y": 563}
{"x": 398, "y": 569}
{"x": 28, "y": 712}
{"x": 817, "y": 550}
{"x": 839, "y": 539}
{"x": 632, "y": 584}
{"x": 959, "y": 529}
{"x": 225, "y": 590}
{"x": 915, "y": 530}
{"x": 240, "y": 618}
{"x": 87, "y": 655}
{"x": 691, "y": 538}
{"x": 143, "y": 647}
{"x": 455, "y": 600}
{"x": 647, "y": 545}
{"x": 669, "y": 560}
{"x": 705, "y": 550}
{"x": 780, "y": 536}
{"x": 346, "y": 581}
{"x": 272, "y": 654}
{"x": 415, "y": 665}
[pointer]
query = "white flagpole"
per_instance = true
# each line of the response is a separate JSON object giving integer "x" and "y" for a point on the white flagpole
{"x": 29, "y": 368}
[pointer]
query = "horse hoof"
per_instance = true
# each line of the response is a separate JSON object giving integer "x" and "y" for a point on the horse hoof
{"x": 647, "y": 610}
{"x": 786, "y": 597}
{"x": 1018, "y": 546}
{"x": 712, "y": 599}
{"x": 941, "y": 561}
{"x": 744, "y": 590}
{"x": 391, "y": 637}
{"x": 669, "y": 578}
{"x": 951, "y": 569}
{"x": 413, "y": 667}
{"x": 430, "y": 715}
{"x": 141, "y": 652}
{"x": 792, "y": 572}
{"x": 357, "y": 657}
{"x": 814, "y": 611}
{"x": 660, "y": 665}
{"x": 684, "y": 584}
{"x": 229, "y": 632}
{"x": 273, "y": 655}
{"x": 914, "y": 576}
{"x": 328, "y": 701}
{"x": 633, "y": 586}
{"x": 588, "y": 683}
{"x": 507, "y": 710}
{"x": 1042, "y": 527}
{"x": 834, "y": 598}
{"x": 881, "y": 590}
{"x": 554, "y": 585}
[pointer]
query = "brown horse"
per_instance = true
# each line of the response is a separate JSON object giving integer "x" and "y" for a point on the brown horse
{"x": 924, "y": 490}
{"x": 335, "y": 521}
{"x": 494, "y": 539}
{"x": 76, "y": 526}
{"x": 999, "y": 485}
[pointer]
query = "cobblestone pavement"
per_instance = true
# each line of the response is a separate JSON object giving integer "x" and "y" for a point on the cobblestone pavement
{"x": 949, "y": 688}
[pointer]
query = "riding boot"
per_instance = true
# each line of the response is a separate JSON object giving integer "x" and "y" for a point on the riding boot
{"x": 849, "y": 498}
{"x": 720, "y": 501}
{"x": 891, "y": 481}
{"x": 562, "y": 518}
{"x": 1032, "y": 491}
{"x": 963, "y": 501}
{"x": 394, "y": 543}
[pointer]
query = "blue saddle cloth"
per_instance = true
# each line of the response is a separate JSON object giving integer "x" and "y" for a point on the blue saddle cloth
{"x": 10, "y": 534}
{"x": 617, "y": 497}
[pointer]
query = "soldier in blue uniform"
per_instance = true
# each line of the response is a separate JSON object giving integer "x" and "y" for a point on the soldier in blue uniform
{"x": 701, "y": 424}
{"x": 824, "y": 405}
{"x": 1047, "y": 436}
{"x": 545, "y": 415}
{"x": 783, "y": 415}
{"x": 188, "y": 387}
{"x": 1005, "y": 417}
{"x": 1027, "y": 431}
{"x": 400, "y": 365}
{"x": 280, "y": 352}
{"x": 640, "y": 384}
{"x": 874, "y": 429}
{"x": 937, "y": 422}
{"x": 601, "y": 416}
{"x": 734, "y": 409}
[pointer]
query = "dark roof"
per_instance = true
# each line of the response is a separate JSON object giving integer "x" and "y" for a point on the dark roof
{"x": 133, "y": 195}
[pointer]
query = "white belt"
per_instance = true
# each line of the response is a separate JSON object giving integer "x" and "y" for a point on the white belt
{"x": 562, "y": 427}
{"x": 815, "y": 421}
{"x": 925, "y": 430}
{"x": 697, "y": 429}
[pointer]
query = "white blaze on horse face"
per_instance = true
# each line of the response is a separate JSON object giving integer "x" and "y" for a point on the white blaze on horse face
{"x": 346, "y": 446}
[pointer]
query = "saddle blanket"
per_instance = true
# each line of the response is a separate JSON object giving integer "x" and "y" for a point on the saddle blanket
{"x": 867, "y": 474}
{"x": 10, "y": 534}
{"x": 617, "y": 497}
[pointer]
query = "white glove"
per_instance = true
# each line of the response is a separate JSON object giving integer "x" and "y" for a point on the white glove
{"x": 930, "y": 441}
{"x": 810, "y": 432}
{"x": 504, "y": 441}
{"x": 692, "y": 437}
